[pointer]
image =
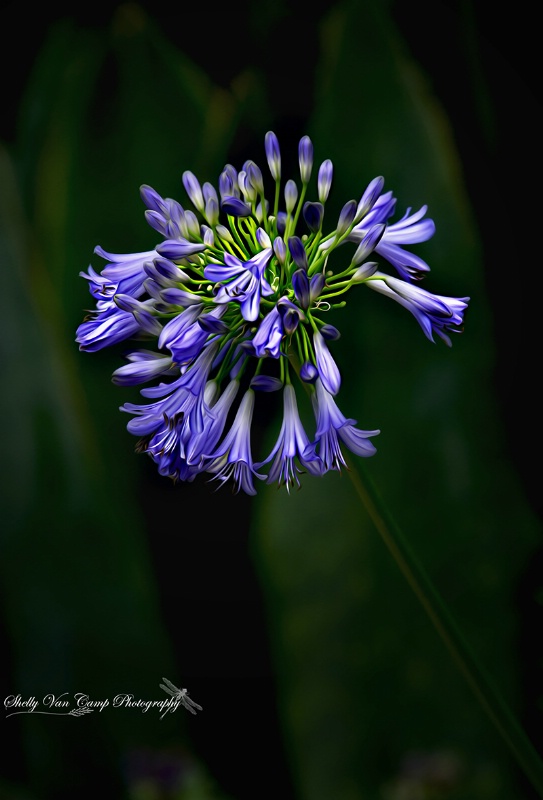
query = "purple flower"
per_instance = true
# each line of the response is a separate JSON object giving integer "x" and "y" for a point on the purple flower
{"x": 177, "y": 400}
{"x": 267, "y": 340}
{"x": 217, "y": 409}
{"x": 236, "y": 292}
{"x": 142, "y": 312}
{"x": 126, "y": 271}
{"x": 177, "y": 249}
{"x": 144, "y": 366}
{"x": 167, "y": 445}
{"x": 107, "y": 325}
{"x": 327, "y": 367}
{"x": 245, "y": 282}
{"x": 178, "y": 447}
{"x": 333, "y": 429}
{"x": 184, "y": 336}
{"x": 434, "y": 313}
{"x": 410, "y": 229}
{"x": 105, "y": 329}
{"x": 164, "y": 214}
{"x": 233, "y": 458}
{"x": 292, "y": 444}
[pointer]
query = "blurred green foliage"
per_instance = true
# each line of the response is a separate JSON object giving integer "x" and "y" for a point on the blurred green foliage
{"x": 363, "y": 681}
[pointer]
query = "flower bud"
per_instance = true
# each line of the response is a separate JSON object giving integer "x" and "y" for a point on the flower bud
{"x": 194, "y": 190}
{"x": 235, "y": 207}
{"x": 265, "y": 383}
{"x": 324, "y": 181}
{"x": 346, "y": 217}
{"x": 300, "y": 284}
{"x": 273, "y": 155}
{"x": 305, "y": 156}
{"x": 330, "y": 332}
{"x": 369, "y": 197}
{"x": 291, "y": 195}
{"x": 297, "y": 251}
{"x": 309, "y": 372}
{"x": 364, "y": 272}
{"x": 313, "y": 214}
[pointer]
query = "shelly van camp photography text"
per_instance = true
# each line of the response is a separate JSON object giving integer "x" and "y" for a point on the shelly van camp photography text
{"x": 81, "y": 703}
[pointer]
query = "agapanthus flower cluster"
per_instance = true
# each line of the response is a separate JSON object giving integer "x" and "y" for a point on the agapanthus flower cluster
{"x": 234, "y": 298}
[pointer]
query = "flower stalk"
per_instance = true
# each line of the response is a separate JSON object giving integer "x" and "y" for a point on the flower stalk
{"x": 478, "y": 679}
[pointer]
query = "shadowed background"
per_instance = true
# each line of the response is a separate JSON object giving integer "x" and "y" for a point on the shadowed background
{"x": 285, "y": 617}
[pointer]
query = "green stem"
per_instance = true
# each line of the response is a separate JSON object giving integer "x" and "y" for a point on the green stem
{"x": 479, "y": 681}
{"x": 477, "y": 678}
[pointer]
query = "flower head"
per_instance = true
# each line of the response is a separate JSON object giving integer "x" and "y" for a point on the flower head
{"x": 235, "y": 294}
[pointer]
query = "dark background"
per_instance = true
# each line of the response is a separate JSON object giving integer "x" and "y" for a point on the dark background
{"x": 484, "y": 69}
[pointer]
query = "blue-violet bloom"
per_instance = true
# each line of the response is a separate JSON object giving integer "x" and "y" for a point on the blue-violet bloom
{"x": 234, "y": 299}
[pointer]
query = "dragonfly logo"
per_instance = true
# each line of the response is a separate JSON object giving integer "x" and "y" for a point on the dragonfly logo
{"x": 180, "y": 695}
